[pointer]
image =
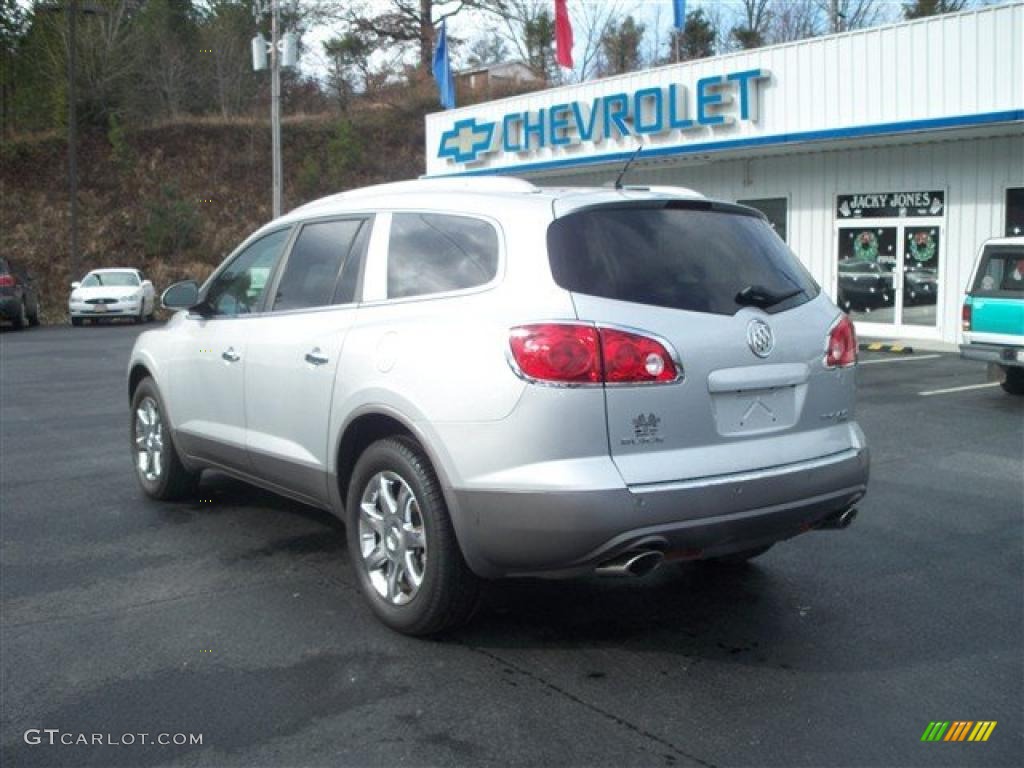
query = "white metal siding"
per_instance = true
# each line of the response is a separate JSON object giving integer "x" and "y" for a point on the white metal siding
{"x": 962, "y": 64}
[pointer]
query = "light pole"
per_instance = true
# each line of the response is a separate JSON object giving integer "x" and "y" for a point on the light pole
{"x": 73, "y": 139}
{"x": 283, "y": 52}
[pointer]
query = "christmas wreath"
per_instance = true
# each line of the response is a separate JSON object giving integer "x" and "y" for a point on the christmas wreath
{"x": 922, "y": 246}
{"x": 865, "y": 246}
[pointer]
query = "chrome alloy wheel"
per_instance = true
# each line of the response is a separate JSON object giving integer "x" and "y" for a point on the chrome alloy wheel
{"x": 392, "y": 540}
{"x": 149, "y": 440}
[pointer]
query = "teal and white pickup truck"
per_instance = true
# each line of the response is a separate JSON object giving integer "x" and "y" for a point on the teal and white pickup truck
{"x": 993, "y": 314}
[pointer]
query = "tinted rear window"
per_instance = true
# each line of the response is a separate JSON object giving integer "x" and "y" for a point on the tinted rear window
{"x": 437, "y": 253}
{"x": 683, "y": 256}
{"x": 1001, "y": 272}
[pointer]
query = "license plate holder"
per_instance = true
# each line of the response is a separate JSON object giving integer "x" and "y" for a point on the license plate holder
{"x": 755, "y": 410}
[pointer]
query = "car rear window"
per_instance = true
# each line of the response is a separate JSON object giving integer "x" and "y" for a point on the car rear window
{"x": 436, "y": 253}
{"x": 1000, "y": 273}
{"x": 684, "y": 255}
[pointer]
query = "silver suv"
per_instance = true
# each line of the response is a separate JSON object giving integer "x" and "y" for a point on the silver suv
{"x": 484, "y": 378}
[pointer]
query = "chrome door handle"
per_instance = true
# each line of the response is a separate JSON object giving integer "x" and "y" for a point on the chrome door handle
{"x": 316, "y": 357}
{"x": 230, "y": 355}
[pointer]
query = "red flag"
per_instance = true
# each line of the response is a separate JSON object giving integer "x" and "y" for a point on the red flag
{"x": 563, "y": 35}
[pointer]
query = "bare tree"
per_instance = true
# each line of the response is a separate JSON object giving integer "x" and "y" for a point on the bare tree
{"x": 225, "y": 34}
{"x": 528, "y": 26}
{"x": 590, "y": 24}
{"x": 842, "y": 15}
{"x": 793, "y": 20}
{"x": 408, "y": 22}
{"x": 752, "y": 30}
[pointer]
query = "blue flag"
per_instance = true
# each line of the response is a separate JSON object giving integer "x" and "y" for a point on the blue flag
{"x": 443, "y": 71}
{"x": 679, "y": 13}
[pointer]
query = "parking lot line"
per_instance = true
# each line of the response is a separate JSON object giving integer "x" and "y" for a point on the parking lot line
{"x": 897, "y": 359}
{"x": 965, "y": 388}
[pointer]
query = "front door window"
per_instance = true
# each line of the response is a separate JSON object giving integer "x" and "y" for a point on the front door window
{"x": 867, "y": 258}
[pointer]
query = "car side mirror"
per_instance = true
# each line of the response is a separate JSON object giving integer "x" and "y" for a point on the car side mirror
{"x": 183, "y": 295}
{"x": 75, "y": 284}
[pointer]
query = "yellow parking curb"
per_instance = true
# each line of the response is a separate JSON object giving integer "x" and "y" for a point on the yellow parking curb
{"x": 896, "y": 349}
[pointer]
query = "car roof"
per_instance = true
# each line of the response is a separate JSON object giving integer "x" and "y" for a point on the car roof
{"x": 477, "y": 194}
{"x": 113, "y": 269}
{"x": 1017, "y": 240}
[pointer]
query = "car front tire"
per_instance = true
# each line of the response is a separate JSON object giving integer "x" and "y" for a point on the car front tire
{"x": 157, "y": 466}
{"x": 401, "y": 542}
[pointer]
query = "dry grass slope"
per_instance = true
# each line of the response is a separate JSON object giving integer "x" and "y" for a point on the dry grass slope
{"x": 174, "y": 199}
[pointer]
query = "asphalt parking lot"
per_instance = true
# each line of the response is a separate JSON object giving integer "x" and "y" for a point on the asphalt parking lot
{"x": 235, "y": 616}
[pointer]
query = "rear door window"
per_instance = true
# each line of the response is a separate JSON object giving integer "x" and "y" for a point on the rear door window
{"x": 437, "y": 253}
{"x": 1000, "y": 273}
{"x": 313, "y": 270}
{"x": 700, "y": 257}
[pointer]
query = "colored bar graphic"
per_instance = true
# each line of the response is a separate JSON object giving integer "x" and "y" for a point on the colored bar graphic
{"x": 958, "y": 730}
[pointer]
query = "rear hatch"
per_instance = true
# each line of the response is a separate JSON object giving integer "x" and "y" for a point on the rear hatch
{"x": 997, "y": 294}
{"x": 706, "y": 278}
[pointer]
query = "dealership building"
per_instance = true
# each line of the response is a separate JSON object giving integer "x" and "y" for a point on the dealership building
{"x": 886, "y": 152}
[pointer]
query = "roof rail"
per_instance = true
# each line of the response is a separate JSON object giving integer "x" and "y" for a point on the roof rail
{"x": 481, "y": 184}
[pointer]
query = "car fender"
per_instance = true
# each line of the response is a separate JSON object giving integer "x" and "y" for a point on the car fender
{"x": 380, "y": 401}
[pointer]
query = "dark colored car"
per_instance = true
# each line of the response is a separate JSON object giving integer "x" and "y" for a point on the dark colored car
{"x": 863, "y": 285}
{"x": 920, "y": 286}
{"x": 19, "y": 298}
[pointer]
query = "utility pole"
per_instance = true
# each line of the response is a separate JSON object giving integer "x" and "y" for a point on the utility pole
{"x": 73, "y": 139}
{"x": 283, "y": 52}
{"x": 275, "y": 104}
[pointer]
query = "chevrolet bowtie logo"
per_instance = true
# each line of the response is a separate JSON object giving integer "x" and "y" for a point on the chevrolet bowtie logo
{"x": 466, "y": 140}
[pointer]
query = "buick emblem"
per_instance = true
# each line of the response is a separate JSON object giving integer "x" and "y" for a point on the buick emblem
{"x": 760, "y": 338}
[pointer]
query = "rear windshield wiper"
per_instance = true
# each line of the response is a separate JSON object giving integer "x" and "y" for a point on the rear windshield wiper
{"x": 759, "y": 296}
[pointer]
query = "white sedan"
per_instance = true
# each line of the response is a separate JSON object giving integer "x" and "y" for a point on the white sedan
{"x": 112, "y": 293}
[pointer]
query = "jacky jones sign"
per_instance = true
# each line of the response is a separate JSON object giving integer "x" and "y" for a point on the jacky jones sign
{"x": 714, "y": 101}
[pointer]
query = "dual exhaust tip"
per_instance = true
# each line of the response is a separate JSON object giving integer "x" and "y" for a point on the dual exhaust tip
{"x": 640, "y": 562}
{"x": 838, "y": 522}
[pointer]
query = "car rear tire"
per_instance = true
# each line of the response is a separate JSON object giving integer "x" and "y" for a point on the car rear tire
{"x": 402, "y": 544}
{"x": 739, "y": 558}
{"x": 157, "y": 466}
{"x": 1014, "y": 381}
{"x": 33, "y": 319}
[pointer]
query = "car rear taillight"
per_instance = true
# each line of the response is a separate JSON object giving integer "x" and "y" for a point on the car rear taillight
{"x": 965, "y": 316}
{"x": 572, "y": 353}
{"x": 7, "y": 281}
{"x": 630, "y": 358}
{"x": 841, "y": 349}
{"x": 564, "y": 353}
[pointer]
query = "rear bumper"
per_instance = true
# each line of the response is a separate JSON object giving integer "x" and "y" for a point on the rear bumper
{"x": 1000, "y": 354}
{"x": 571, "y": 532}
